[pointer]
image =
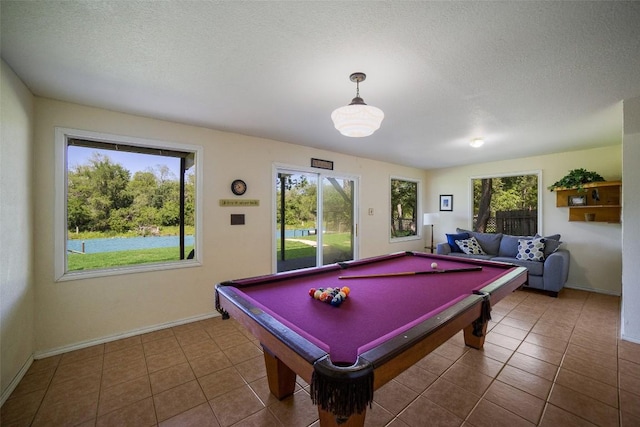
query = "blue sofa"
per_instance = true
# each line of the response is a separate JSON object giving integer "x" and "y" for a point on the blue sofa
{"x": 548, "y": 275}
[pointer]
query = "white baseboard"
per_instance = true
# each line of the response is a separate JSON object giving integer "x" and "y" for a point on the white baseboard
{"x": 630, "y": 339}
{"x": 16, "y": 380}
{"x": 102, "y": 340}
{"x": 598, "y": 291}
{"x": 84, "y": 344}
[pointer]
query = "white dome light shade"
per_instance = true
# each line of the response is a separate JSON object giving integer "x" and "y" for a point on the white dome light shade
{"x": 357, "y": 120}
{"x": 477, "y": 142}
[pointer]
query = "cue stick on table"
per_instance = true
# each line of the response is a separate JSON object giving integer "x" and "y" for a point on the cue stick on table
{"x": 411, "y": 273}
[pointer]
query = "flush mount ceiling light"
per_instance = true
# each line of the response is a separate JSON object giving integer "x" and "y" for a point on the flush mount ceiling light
{"x": 357, "y": 119}
{"x": 477, "y": 142}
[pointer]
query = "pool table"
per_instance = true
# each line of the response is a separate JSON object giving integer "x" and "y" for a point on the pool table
{"x": 400, "y": 307}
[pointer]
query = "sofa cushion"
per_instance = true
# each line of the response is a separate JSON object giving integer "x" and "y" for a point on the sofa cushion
{"x": 551, "y": 243}
{"x": 534, "y": 268}
{"x": 451, "y": 240}
{"x": 489, "y": 242}
{"x": 473, "y": 256}
{"x": 552, "y": 237}
{"x": 509, "y": 245}
{"x": 550, "y": 246}
{"x": 531, "y": 250}
{"x": 470, "y": 246}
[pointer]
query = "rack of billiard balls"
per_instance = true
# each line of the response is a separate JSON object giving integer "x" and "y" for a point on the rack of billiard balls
{"x": 333, "y": 296}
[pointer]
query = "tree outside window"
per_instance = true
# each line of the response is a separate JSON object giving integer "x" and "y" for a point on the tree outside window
{"x": 404, "y": 208}
{"x": 506, "y": 204}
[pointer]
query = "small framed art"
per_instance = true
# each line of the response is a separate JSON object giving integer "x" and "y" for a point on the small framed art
{"x": 446, "y": 202}
{"x": 577, "y": 200}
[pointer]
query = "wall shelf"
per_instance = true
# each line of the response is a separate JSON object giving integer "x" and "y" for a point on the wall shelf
{"x": 598, "y": 202}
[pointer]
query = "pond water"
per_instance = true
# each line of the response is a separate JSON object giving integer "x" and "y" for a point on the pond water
{"x": 296, "y": 233}
{"x": 92, "y": 246}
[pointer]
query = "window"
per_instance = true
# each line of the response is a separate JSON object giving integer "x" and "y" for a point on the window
{"x": 506, "y": 203}
{"x": 124, "y": 204}
{"x": 404, "y": 208}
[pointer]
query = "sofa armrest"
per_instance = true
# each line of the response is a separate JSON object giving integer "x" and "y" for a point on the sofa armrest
{"x": 443, "y": 249}
{"x": 556, "y": 270}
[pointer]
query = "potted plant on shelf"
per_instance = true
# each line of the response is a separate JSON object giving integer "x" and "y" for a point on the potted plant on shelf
{"x": 576, "y": 178}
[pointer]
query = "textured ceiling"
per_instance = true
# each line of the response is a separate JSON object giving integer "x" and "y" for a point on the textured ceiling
{"x": 530, "y": 77}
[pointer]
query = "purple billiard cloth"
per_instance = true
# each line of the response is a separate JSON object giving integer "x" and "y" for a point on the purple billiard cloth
{"x": 376, "y": 309}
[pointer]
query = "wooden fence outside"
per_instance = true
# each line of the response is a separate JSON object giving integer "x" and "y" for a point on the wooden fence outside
{"x": 517, "y": 223}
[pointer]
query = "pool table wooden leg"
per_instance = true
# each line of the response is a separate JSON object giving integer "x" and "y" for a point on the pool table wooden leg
{"x": 282, "y": 380}
{"x": 473, "y": 341}
{"x": 327, "y": 419}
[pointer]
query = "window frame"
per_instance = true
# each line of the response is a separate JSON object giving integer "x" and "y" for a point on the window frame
{"x": 537, "y": 172}
{"x": 419, "y": 225}
{"x": 62, "y": 135}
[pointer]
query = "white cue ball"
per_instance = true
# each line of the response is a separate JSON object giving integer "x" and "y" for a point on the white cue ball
{"x": 434, "y": 265}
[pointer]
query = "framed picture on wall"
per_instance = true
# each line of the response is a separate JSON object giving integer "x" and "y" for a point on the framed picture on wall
{"x": 446, "y": 202}
{"x": 577, "y": 200}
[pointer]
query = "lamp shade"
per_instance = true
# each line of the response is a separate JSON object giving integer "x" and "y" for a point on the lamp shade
{"x": 430, "y": 218}
{"x": 357, "y": 120}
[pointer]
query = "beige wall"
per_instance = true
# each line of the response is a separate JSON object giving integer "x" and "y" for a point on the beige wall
{"x": 596, "y": 248}
{"x": 77, "y": 312}
{"x": 16, "y": 214}
{"x": 631, "y": 226}
{"x": 73, "y": 312}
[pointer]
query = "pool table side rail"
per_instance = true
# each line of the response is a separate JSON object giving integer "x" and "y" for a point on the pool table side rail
{"x": 294, "y": 350}
{"x": 504, "y": 285}
{"x": 397, "y": 354}
{"x": 480, "y": 262}
{"x": 310, "y": 271}
{"x": 373, "y": 260}
{"x": 285, "y": 275}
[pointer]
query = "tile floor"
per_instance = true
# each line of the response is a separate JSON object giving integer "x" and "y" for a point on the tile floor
{"x": 546, "y": 362}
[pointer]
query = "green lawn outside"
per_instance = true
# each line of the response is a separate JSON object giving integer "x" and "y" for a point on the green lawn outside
{"x": 79, "y": 262}
{"x": 293, "y": 249}
{"x": 103, "y": 260}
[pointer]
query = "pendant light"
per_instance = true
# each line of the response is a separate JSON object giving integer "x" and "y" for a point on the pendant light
{"x": 477, "y": 142}
{"x": 357, "y": 119}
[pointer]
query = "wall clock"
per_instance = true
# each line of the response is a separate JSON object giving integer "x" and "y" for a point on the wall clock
{"x": 238, "y": 187}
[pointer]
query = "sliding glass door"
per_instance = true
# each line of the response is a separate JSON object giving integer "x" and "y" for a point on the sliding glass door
{"x": 315, "y": 219}
{"x": 337, "y": 219}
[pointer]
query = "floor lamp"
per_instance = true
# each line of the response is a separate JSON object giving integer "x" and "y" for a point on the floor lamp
{"x": 430, "y": 219}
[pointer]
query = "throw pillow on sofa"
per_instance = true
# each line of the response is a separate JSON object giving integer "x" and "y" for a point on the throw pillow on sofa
{"x": 509, "y": 245}
{"x": 551, "y": 243}
{"x": 489, "y": 242}
{"x": 470, "y": 246}
{"x": 531, "y": 250}
{"x": 451, "y": 240}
